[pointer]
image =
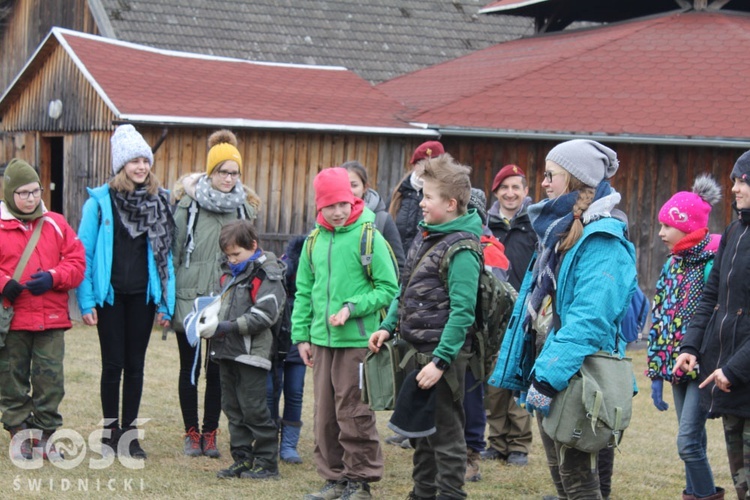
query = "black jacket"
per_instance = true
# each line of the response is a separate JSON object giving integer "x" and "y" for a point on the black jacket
{"x": 518, "y": 237}
{"x": 719, "y": 333}
{"x": 409, "y": 213}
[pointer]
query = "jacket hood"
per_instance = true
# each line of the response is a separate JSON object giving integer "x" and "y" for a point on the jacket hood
{"x": 185, "y": 185}
{"x": 373, "y": 201}
{"x": 470, "y": 222}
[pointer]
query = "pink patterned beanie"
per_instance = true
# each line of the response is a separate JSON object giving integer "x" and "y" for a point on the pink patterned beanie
{"x": 688, "y": 211}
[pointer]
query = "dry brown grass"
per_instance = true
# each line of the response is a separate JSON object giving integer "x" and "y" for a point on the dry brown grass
{"x": 647, "y": 467}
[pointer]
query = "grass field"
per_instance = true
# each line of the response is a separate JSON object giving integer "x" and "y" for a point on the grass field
{"x": 647, "y": 467}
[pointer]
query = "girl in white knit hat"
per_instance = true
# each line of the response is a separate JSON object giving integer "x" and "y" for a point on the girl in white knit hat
{"x": 126, "y": 229}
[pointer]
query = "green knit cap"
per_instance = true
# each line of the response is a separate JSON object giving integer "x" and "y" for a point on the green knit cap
{"x": 19, "y": 173}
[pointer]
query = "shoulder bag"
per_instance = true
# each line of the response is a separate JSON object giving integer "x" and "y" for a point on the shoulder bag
{"x": 6, "y": 312}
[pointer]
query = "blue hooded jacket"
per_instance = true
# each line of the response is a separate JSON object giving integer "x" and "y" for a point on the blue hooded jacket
{"x": 596, "y": 280}
{"x": 96, "y": 232}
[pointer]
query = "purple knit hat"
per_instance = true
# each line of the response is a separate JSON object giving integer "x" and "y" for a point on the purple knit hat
{"x": 688, "y": 211}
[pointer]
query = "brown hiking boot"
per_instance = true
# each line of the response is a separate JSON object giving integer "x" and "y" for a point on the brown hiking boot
{"x": 472, "y": 466}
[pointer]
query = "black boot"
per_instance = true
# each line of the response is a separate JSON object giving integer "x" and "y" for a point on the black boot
{"x": 134, "y": 447}
{"x": 110, "y": 440}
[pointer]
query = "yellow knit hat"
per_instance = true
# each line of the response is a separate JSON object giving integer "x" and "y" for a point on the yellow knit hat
{"x": 223, "y": 147}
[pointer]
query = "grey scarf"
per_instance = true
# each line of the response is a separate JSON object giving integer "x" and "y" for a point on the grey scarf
{"x": 214, "y": 200}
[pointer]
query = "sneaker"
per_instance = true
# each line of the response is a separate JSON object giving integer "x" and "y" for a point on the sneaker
{"x": 472, "y": 466}
{"x": 260, "y": 472}
{"x": 49, "y": 452}
{"x": 518, "y": 458}
{"x": 396, "y": 439}
{"x": 192, "y": 443}
{"x": 356, "y": 490}
{"x": 21, "y": 448}
{"x": 209, "y": 444}
{"x": 136, "y": 451}
{"x": 235, "y": 470}
{"x": 491, "y": 454}
{"x": 330, "y": 491}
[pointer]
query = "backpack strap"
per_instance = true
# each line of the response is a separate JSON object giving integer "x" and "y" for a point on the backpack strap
{"x": 366, "y": 244}
{"x": 453, "y": 249}
{"x": 365, "y": 248}
{"x": 193, "y": 211}
{"x": 311, "y": 238}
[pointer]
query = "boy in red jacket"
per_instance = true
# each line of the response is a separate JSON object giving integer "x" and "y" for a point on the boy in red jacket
{"x": 31, "y": 385}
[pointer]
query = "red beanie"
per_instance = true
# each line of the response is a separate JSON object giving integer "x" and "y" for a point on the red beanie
{"x": 331, "y": 186}
{"x": 429, "y": 149}
{"x": 504, "y": 173}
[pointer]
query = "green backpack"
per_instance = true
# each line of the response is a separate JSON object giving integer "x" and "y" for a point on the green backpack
{"x": 495, "y": 301}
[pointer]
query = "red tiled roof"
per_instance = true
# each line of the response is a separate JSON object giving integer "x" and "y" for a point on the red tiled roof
{"x": 144, "y": 84}
{"x": 683, "y": 75}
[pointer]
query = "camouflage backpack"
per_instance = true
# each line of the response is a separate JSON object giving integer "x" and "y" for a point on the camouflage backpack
{"x": 495, "y": 300}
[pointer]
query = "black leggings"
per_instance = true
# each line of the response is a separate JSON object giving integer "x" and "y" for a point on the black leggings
{"x": 124, "y": 331}
{"x": 189, "y": 392}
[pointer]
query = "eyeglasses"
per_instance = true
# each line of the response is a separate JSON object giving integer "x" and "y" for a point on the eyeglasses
{"x": 224, "y": 174}
{"x": 25, "y": 195}
{"x": 548, "y": 175}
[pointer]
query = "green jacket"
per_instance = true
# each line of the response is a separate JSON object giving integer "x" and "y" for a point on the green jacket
{"x": 339, "y": 278}
{"x": 463, "y": 280}
{"x": 204, "y": 270}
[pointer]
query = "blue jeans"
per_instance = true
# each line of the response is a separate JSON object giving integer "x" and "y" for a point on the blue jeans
{"x": 691, "y": 439}
{"x": 289, "y": 378}
{"x": 476, "y": 419}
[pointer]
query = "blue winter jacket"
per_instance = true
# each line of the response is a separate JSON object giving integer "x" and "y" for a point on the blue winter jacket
{"x": 96, "y": 232}
{"x": 596, "y": 280}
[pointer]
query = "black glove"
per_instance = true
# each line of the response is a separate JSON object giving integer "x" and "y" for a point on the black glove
{"x": 12, "y": 290}
{"x": 222, "y": 330}
{"x": 39, "y": 283}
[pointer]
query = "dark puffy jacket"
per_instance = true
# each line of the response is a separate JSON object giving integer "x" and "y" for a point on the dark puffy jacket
{"x": 518, "y": 237}
{"x": 409, "y": 213}
{"x": 719, "y": 333}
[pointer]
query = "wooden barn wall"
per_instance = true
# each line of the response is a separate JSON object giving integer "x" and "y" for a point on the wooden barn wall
{"x": 648, "y": 176}
{"x": 29, "y": 23}
{"x": 58, "y": 78}
{"x": 279, "y": 166}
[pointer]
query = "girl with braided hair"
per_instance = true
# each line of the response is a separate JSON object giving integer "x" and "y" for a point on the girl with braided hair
{"x": 574, "y": 298}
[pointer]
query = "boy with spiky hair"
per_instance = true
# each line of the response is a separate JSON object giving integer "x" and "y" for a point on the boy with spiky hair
{"x": 434, "y": 316}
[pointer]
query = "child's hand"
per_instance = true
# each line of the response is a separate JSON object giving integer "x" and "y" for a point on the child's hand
{"x": 429, "y": 376}
{"x": 163, "y": 320}
{"x": 685, "y": 362}
{"x": 305, "y": 352}
{"x": 377, "y": 339}
{"x": 340, "y": 317}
